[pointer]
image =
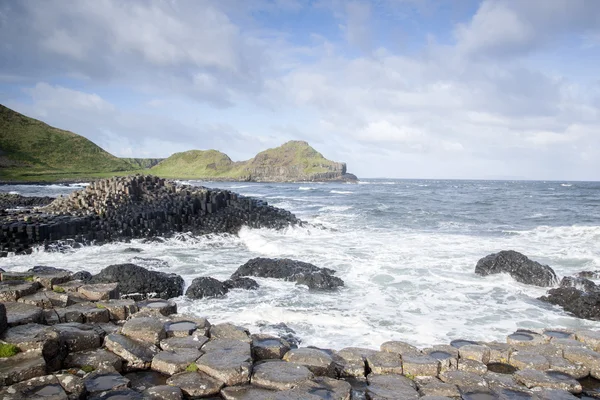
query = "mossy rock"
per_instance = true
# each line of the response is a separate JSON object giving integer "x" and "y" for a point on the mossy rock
{"x": 192, "y": 368}
{"x": 8, "y": 350}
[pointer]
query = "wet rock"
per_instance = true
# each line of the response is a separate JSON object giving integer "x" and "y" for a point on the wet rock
{"x": 525, "y": 338}
{"x": 554, "y": 394}
{"x": 517, "y": 265}
{"x": 35, "y": 337}
{"x": 549, "y": 380}
{"x": 191, "y": 342}
{"x": 158, "y": 307}
{"x": 318, "y": 389}
{"x": 290, "y": 270}
{"x": 391, "y": 387}
{"x": 228, "y": 360}
{"x": 420, "y": 365}
{"x": 435, "y": 387}
{"x": 576, "y": 302}
{"x": 83, "y": 276}
{"x": 125, "y": 394}
{"x": 50, "y": 276}
{"x": 318, "y": 362}
{"x": 383, "y": 363}
{"x": 529, "y": 361}
{"x": 230, "y": 331}
{"x": 96, "y": 383}
{"x": 466, "y": 381}
{"x": 69, "y": 287}
{"x": 163, "y": 392}
{"x": 399, "y": 348}
{"x": 241, "y": 283}
{"x": 205, "y": 286}
{"x": 146, "y": 329}
{"x": 21, "y": 313}
{"x": 13, "y": 290}
{"x": 142, "y": 380}
{"x": 195, "y": 384}
{"x": 119, "y": 310}
{"x": 475, "y": 352}
{"x": 99, "y": 291}
{"x": 21, "y": 367}
{"x": 47, "y": 300}
{"x": 576, "y": 370}
{"x": 354, "y": 361}
{"x": 46, "y": 387}
{"x": 174, "y": 362}
{"x": 90, "y": 312}
{"x": 499, "y": 381}
{"x": 583, "y": 284}
{"x": 266, "y": 347}
{"x": 138, "y": 354}
{"x": 180, "y": 328}
{"x": 135, "y": 279}
{"x": 280, "y": 375}
{"x": 72, "y": 384}
{"x": 78, "y": 337}
{"x": 585, "y": 356}
{"x": 247, "y": 392}
{"x": 3, "y": 319}
{"x": 98, "y": 358}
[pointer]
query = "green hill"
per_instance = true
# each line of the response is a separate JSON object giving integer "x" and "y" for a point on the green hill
{"x": 143, "y": 163}
{"x": 194, "y": 164}
{"x": 31, "y": 150}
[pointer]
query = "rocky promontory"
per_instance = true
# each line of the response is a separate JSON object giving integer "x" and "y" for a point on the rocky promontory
{"x": 140, "y": 206}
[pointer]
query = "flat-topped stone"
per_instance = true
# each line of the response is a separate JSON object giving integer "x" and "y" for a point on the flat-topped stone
{"x": 68, "y": 287}
{"x": 138, "y": 354}
{"x": 98, "y": 382}
{"x": 499, "y": 352}
{"x": 227, "y": 360}
{"x": 529, "y": 361}
{"x": 391, "y": 387}
{"x": 589, "y": 337}
{"x": 119, "y": 310}
{"x": 435, "y": 387}
{"x": 266, "y": 347}
{"x": 147, "y": 329}
{"x": 41, "y": 387}
{"x": 552, "y": 334}
{"x": 230, "y": 331}
{"x": 550, "y": 380}
{"x": 174, "y": 362}
{"x": 15, "y": 289}
{"x": 189, "y": 342}
{"x": 180, "y": 328}
{"x": 420, "y": 365}
{"x": 473, "y": 366}
{"x": 475, "y": 352}
{"x": 576, "y": 370}
{"x": 78, "y": 337}
{"x": 21, "y": 313}
{"x": 399, "y": 348}
{"x": 124, "y": 394}
{"x": 280, "y": 375}
{"x": 158, "y": 306}
{"x": 466, "y": 381}
{"x": 99, "y": 291}
{"x": 585, "y": 356}
{"x": 72, "y": 384}
{"x": 98, "y": 358}
{"x": 36, "y": 337}
{"x": 90, "y": 312}
{"x": 317, "y": 361}
{"x": 382, "y": 363}
{"x": 525, "y": 338}
{"x": 163, "y": 392}
{"x": 21, "y": 367}
{"x": 354, "y": 361}
{"x": 247, "y": 392}
{"x": 318, "y": 389}
{"x": 196, "y": 384}
{"x": 49, "y": 276}
{"x": 47, "y": 299}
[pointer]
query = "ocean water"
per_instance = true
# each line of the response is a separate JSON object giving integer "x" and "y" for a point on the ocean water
{"x": 406, "y": 249}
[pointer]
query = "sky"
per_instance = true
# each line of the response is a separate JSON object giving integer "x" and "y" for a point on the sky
{"x": 492, "y": 89}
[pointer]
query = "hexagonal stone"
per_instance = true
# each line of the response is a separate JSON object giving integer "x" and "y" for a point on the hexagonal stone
{"x": 124, "y": 394}
{"x": 195, "y": 384}
{"x": 435, "y": 387}
{"x": 174, "y": 362}
{"x": 227, "y": 360}
{"x": 78, "y": 337}
{"x": 47, "y": 300}
{"x": 475, "y": 352}
{"x": 446, "y": 355}
{"x": 147, "y": 329}
{"x": 96, "y": 383}
{"x": 391, "y": 387}
{"x": 552, "y": 334}
{"x": 318, "y": 389}
{"x": 473, "y": 366}
{"x": 119, "y": 310}
{"x": 230, "y": 331}
{"x": 158, "y": 307}
{"x": 280, "y": 375}
{"x": 466, "y": 381}
{"x": 564, "y": 343}
{"x": 582, "y": 355}
{"x": 69, "y": 287}
{"x": 589, "y": 337}
{"x": 398, "y": 347}
{"x": 72, "y": 384}
{"x": 382, "y": 363}
{"x": 21, "y": 367}
{"x": 497, "y": 381}
{"x": 247, "y": 392}
{"x": 100, "y": 291}
{"x": 97, "y": 358}
{"x": 317, "y": 361}
{"x": 142, "y": 380}
{"x": 35, "y": 337}
{"x": 525, "y": 338}
{"x": 354, "y": 361}
{"x": 180, "y": 328}
{"x": 549, "y": 380}
{"x": 7, "y": 276}
{"x": 163, "y": 392}
{"x": 138, "y": 354}
{"x": 265, "y": 347}
{"x": 50, "y": 277}
{"x": 435, "y": 398}
{"x": 39, "y": 387}
{"x": 14, "y": 290}
{"x": 576, "y": 370}
{"x": 554, "y": 394}
{"x": 499, "y": 352}
{"x": 191, "y": 342}
{"x": 21, "y": 314}
{"x": 420, "y": 365}
{"x": 90, "y": 312}
{"x": 529, "y": 361}
{"x": 202, "y": 324}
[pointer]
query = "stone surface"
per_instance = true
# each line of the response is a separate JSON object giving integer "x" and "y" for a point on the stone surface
{"x": 99, "y": 358}
{"x": 241, "y": 283}
{"x": 21, "y": 367}
{"x": 317, "y": 361}
{"x": 290, "y": 270}
{"x": 36, "y": 337}
{"x": 230, "y": 331}
{"x": 163, "y": 392}
{"x": 158, "y": 307}
{"x": 529, "y": 361}
{"x": 99, "y": 291}
{"x": 473, "y": 366}
{"x": 90, "y": 312}
{"x": 589, "y": 337}
{"x": 47, "y": 299}
{"x": 266, "y": 347}
{"x": 48, "y": 277}
{"x": 280, "y": 375}
{"x": 137, "y": 354}
{"x": 576, "y": 370}
{"x": 523, "y": 338}
{"x": 146, "y": 329}
{"x": 42, "y": 387}
{"x": 230, "y": 361}
{"x": 435, "y": 387}
{"x": 96, "y": 383}
{"x": 174, "y": 362}
{"x": 78, "y": 337}
{"x": 420, "y": 365}
{"x": 21, "y": 313}
{"x": 382, "y": 363}
{"x": 119, "y": 309}
{"x": 189, "y": 342}
{"x": 353, "y": 361}
{"x": 391, "y": 387}
{"x": 206, "y": 286}
{"x": 247, "y": 392}
{"x": 318, "y": 389}
{"x": 195, "y": 384}
{"x": 521, "y": 268}
{"x": 399, "y": 348}
{"x": 466, "y": 381}
{"x": 180, "y": 328}
{"x": 13, "y": 290}
{"x": 575, "y": 301}
{"x": 549, "y": 380}
{"x": 3, "y": 319}
{"x": 132, "y": 278}
{"x": 475, "y": 352}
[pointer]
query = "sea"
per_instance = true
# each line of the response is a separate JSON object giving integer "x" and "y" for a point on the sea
{"x": 406, "y": 250}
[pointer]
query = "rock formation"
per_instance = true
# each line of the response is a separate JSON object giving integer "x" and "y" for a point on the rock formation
{"x": 521, "y": 268}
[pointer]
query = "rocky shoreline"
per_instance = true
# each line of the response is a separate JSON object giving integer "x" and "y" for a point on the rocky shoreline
{"x": 78, "y": 336}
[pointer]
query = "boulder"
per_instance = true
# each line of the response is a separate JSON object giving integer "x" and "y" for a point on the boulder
{"x": 146, "y": 329}
{"x": 391, "y": 387}
{"x": 205, "y": 286}
{"x": 99, "y": 291}
{"x": 138, "y": 354}
{"x": 280, "y": 375}
{"x": 13, "y": 290}
{"x": 22, "y": 313}
{"x": 420, "y": 365}
{"x": 195, "y": 384}
{"x": 83, "y": 276}
{"x": 265, "y": 347}
{"x": 241, "y": 283}
{"x": 135, "y": 279}
{"x": 579, "y": 303}
{"x": 583, "y": 284}
{"x": 517, "y": 265}
{"x": 50, "y": 276}
{"x": 290, "y": 270}
{"x": 382, "y": 362}
{"x": 317, "y": 361}
{"x": 21, "y": 367}
{"x": 78, "y": 337}
{"x": 36, "y": 337}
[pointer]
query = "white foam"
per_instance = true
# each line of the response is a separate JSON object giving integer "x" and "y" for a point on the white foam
{"x": 306, "y": 188}
{"x": 341, "y": 192}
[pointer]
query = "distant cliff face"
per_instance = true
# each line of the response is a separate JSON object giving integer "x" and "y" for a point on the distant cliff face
{"x": 143, "y": 163}
{"x": 293, "y": 161}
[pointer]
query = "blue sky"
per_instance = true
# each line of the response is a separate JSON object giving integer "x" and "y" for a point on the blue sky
{"x": 504, "y": 89}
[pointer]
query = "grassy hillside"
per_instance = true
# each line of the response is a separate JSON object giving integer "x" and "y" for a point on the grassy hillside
{"x": 199, "y": 164}
{"x": 143, "y": 163}
{"x": 33, "y": 150}
{"x": 294, "y": 153}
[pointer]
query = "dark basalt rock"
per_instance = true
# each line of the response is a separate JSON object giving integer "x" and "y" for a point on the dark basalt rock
{"x": 290, "y": 270}
{"x": 82, "y": 276}
{"x": 135, "y": 279}
{"x": 241, "y": 283}
{"x": 205, "y": 286}
{"x": 8, "y": 200}
{"x": 575, "y": 301}
{"x": 582, "y": 284}
{"x": 521, "y": 268}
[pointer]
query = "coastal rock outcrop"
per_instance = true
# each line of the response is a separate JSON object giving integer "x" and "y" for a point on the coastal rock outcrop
{"x": 290, "y": 270}
{"x": 578, "y": 296}
{"x": 517, "y": 265}
{"x": 205, "y": 286}
{"x": 133, "y": 279}
{"x": 10, "y": 200}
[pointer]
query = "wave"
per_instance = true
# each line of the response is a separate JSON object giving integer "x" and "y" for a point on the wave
{"x": 341, "y": 192}
{"x": 566, "y": 184}
{"x": 306, "y": 188}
